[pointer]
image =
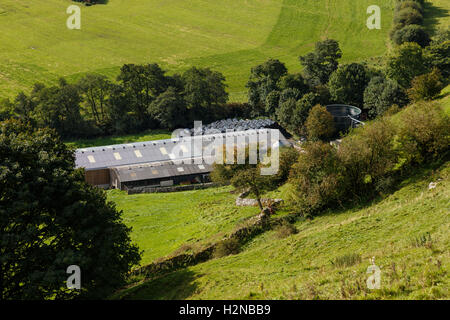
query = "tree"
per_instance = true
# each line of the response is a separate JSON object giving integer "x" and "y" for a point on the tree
{"x": 408, "y": 16}
{"x": 348, "y": 82}
{"x": 426, "y": 86}
{"x": 319, "y": 124}
{"x": 244, "y": 177}
{"x": 437, "y": 55}
{"x": 381, "y": 93}
{"x": 263, "y": 80}
{"x": 50, "y": 219}
{"x": 58, "y": 107}
{"x": 142, "y": 84}
{"x": 294, "y": 81}
{"x": 292, "y": 114}
{"x": 405, "y": 63}
{"x": 203, "y": 89}
{"x": 167, "y": 109}
{"x": 320, "y": 64}
{"x": 95, "y": 90}
{"x": 411, "y": 33}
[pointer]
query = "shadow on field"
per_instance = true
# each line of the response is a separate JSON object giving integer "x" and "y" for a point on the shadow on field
{"x": 432, "y": 15}
{"x": 178, "y": 285}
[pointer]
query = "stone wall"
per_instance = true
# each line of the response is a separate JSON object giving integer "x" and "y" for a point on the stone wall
{"x": 197, "y": 186}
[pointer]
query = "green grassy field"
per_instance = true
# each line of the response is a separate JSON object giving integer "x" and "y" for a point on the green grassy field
{"x": 300, "y": 266}
{"x": 229, "y": 36}
{"x": 162, "y": 222}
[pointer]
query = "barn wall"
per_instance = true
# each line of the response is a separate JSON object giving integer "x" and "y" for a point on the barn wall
{"x": 97, "y": 177}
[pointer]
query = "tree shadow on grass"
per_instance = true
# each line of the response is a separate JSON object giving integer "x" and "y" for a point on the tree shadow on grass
{"x": 432, "y": 16}
{"x": 178, "y": 285}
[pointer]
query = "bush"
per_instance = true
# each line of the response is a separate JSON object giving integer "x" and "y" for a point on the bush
{"x": 381, "y": 94}
{"x": 411, "y": 33}
{"x": 348, "y": 82}
{"x": 285, "y": 230}
{"x": 320, "y": 124}
{"x": 424, "y": 133}
{"x": 316, "y": 179}
{"x": 227, "y": 247}
{"x": 426, "y": 87}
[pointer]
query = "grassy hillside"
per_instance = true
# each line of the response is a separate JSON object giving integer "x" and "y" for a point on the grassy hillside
{"x": 162, "y": 222}
{"x": 301, "y": 266}
{"x": 230, "y": 36}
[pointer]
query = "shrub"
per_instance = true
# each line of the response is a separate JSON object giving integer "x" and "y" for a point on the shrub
{"x": 316, "y": 179}
{"x": 320, "y": 123}
{"x": 285, "y": 230}
{"x": 227, "y": 247}
{"x": 348, "y": 82}
{"x": 405, "y": 63}
{"x": 381, "y": 94}
{"x": 426, "y": 87}
{"x": 424, "y": 133}
{"x": 411, "y": 33}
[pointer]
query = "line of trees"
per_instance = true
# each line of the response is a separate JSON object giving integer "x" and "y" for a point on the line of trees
{"x": 143, "y": 97}
{"x": 408, "y": 21}
{"x": 410, "y": 73}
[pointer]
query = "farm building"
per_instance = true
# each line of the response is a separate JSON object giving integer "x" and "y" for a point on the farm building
{"x": 159, "y": 163}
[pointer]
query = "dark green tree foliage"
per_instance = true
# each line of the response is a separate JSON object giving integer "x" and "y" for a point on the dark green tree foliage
{"x": 406, "y": 63}
{"x": 426, "y": 86}
{"x": 95, "y": 90}
{"x": 263, "y": 80}
{"x": 203, "y": 89}
{"x": 272, "y": 103}
{"x": 50, "y": 219}
{"x": 320, "y": 64}
{"x": 169, "y": 109}
{"x": 347, "y": 84}
{"x": 292, "y": 114}
{"x": 319, "y": 124}
{"x": 381, "y": 94}
{"x": 437, "y": 54}
{"x": 294, "y": 81}
{"x": 58, "y": 107}
{"x": 412, "y": 33}
{"x": 142, "y": 84}
{"x": 408, "y": 16}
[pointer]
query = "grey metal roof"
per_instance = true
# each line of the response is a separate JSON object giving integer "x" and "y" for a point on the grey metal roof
{"x": 160, "y": 170}
{"x": 157, "y": 151}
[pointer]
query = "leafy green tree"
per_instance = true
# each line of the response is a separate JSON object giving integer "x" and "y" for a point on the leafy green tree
{"x": 408, "y": 16}
{"x": 203, "y": 90}
{"x": 437, "y": 56}
{"x": 426, "y": 86}
{"x": 405, "y": 63}
{"x": 244, "y": 177}
{"x": 168, "y": 108}
{"x": 294, "y": 81}
{"x": 272, "y": 103}
{"x": 381, "y": 93}
{"x": 320, "y": 64}
{"x": 348, "y": 82}
{"x": 263, "y": 80}
{"x": 58, "y": 107}
{"x": 95, "y": 90}
{"x": 319, "y": 124}
{"x": 51, "y": 219}
{"x": 292, "y": 114}
{"x": 142, "y": 84}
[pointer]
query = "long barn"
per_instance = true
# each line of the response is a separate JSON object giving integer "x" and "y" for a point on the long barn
{"x": 160, "y": 163}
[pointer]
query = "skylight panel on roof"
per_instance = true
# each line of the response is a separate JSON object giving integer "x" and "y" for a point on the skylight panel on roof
{"x": 91, "y": 159}
{"x": 117, "y": 156}
{"x": 163, "y": 150}
{"x": 138, "y": 153}
{"x": 180, "y": 169}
